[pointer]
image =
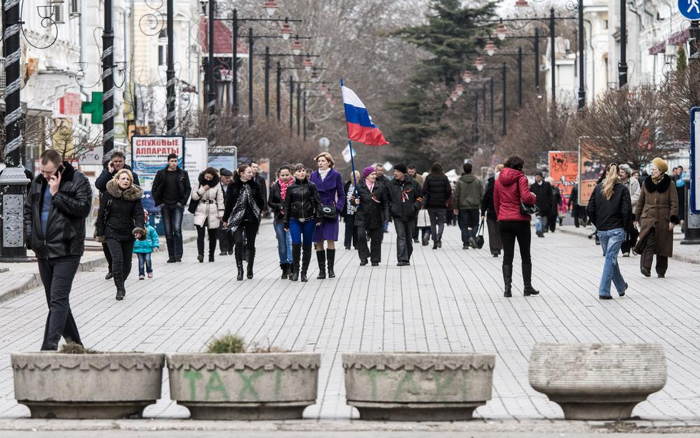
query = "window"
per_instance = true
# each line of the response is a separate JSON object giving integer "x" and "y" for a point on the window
{"x": 58, "y": 14}
{"x": 74, "y": 8}
{"x": 162, "y": 47}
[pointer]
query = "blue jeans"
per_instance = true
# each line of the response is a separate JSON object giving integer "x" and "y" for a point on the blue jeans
{"x": 284, "y": 243}
{"x": 541, "y": 224}
{"x": 172, "y": 221}
{"x": 300, "y": 230}
{"x": 144, "y": 261}
{"x": 611, "y": 241}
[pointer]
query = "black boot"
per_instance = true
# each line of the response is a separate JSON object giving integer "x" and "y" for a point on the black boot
{"x": 296, "y": 260}
{"x": 330, "y": 258}
{"x": 251, "y": 262}
{"x": 507, "y": 280}
{"x": 200, "y": 258}
{"x": 239, "y": 264}
{"x": 321, "y": 256}
{"x": 285, "y": 270}
{"x": 527, "y": 280}
{"x": 119, "y": 282}
{"x": 306, "y": 259}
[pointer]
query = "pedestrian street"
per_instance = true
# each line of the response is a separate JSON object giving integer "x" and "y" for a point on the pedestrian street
{"x": 448, "y": 300}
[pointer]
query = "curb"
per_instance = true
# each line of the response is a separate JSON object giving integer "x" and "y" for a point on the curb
{"x": 678, "y": 257}
{"x": 35, "y": 281}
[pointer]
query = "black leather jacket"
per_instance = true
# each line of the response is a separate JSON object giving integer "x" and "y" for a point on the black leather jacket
{"x": 183, "y": 187}
{"x": 302, "y": 201}
{"x": 65, "y": 231}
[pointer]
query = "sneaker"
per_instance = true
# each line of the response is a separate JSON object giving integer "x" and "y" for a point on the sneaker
{"x": 141, "y": 277}
{"x": 150, "y": 275}
{"x": 465, "y": 246}
{"x": 605, "y": 297}
{"x": 622, "y": 294}
{"x": 375, "y": 264}
{"x": 363, "y": 262}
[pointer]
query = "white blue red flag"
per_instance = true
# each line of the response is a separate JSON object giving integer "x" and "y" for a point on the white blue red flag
{"x": 360, "y": 126}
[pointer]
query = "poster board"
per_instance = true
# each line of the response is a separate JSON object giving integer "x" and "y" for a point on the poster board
{"x": 563, "y": 169}
{"x": 149, "y": 154}
{"x": 694, "y": 159}
{"x": 223, "y": 157}
{"x": 196, "y": 159}
{"x": 589, "y": 168}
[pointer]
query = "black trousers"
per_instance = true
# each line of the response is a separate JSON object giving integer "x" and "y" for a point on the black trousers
{"x": 404, "y": 239}
{"x": 108, "y": 256}
{"x": 647, "y": 258}
{"x": 57, "y": 276}
{"x": 510, "y": 232}
{"x": 350, "y": 237}
{"x": 121, "y": 259}
{"x": 244, "y": 238}
{"x": 495, "y": 244}
{"x": 375, "y": 236}
{"x": 630, "y": 240}
{"x": 212, "y": 239}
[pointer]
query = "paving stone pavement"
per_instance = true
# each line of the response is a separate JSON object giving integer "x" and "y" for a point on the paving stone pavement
{"x": 448, "y": 300}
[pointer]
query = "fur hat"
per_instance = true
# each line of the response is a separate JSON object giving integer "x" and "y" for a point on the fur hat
{"x": 367, "y": 170}
{"x": 660, "y": 164}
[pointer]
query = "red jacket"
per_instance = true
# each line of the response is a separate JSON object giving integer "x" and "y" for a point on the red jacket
{"x": 512, "y": 187}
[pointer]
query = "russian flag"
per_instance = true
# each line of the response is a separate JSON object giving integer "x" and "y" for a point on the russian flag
{"x": 360, "y": 126}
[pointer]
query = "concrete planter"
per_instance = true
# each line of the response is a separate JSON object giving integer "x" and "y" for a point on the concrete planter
{"x": 417, "y": 386}
{"x": 597, "y": 381}
{"x": 87, "y": 386}
{"x": 246, "y": 386}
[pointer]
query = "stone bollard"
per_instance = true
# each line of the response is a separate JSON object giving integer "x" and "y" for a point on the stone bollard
{"x": 87, "y": 386}
{"x": 418, "y": 386}
{"x": 597, "y": 381}
{"x": 244, "y": 386}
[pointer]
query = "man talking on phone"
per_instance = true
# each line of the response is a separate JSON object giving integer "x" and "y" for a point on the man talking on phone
{"x": 115, "y": 163}
{"x": 55, "y": 211}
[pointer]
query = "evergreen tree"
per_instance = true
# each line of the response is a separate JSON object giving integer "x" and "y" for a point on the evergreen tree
{"x": 451, "y": 36}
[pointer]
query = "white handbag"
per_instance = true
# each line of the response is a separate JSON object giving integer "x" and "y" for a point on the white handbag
{"x": 423, "y": 218}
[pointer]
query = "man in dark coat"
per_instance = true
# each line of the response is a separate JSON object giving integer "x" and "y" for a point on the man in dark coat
{"x": 171, "y": 190}
{"x": 545, "y": 201}
{"x": 116, "y": 162}
{"x": 262, "y": 184}
{"x": 404, "y": 202}
{"x": 55, "y": 211}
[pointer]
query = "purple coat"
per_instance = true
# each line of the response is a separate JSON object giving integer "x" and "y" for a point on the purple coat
{"x": 331, "y": 191}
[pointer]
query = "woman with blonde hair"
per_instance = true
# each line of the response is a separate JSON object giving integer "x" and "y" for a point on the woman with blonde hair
{"x": 332, "y": 193}
{"x": 610, "y": 210}
{"x": 120, "y": 221}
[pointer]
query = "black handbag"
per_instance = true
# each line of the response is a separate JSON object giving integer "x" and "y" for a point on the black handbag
{"x": 328, "y": 212}
{"x": 192, "y": 208}
{"x": 528, "y": 209}
{"x": 480, "y": 236}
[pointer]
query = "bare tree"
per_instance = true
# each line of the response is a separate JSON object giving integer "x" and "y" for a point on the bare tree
{"x": 680, "y": 92}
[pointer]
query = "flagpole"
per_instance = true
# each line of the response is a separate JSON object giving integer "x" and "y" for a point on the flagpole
{"x": 352, "y": 155}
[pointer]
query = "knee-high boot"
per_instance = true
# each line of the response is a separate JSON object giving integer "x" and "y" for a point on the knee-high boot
{"x": 251, "y": 262}
{"x": 321, "y": 256}
{"x": 305, "y": 262}
{"x": 119, "y": 282}
{"x": 507, "y": 280}
{"x": 296, "y": 261}
{"x": 330, "y": 259}
{"x": 239, "y": 261}
{"x": 527, "y": 280}
{"x": 212, "y": 243}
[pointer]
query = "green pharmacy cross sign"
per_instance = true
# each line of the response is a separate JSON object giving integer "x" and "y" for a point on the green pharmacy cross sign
{"x": 94, "y": 107}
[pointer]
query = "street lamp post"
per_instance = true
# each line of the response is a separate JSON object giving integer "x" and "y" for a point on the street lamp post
{"x": 503, "y": 119}
{"x": 108, "y": 81}
{"x": 279, "y": 98}
{"x": 553, "y": 57}
{"x": 13, "y": 182}
{"x": 304, "y": 117}
{"x": 291, "y": 104}
{"x": 537, "y": 61}
{"x": 170, "y": 72}
{"x": 211, "y": 84}
{"x": 622, "y": 66}
{"x": 299, "y": 91}
{"x": 267, "y": 83}
{"x": 581, "y": 58}
{"x": 251, "y": 42}
{"x": 520, "y": 76}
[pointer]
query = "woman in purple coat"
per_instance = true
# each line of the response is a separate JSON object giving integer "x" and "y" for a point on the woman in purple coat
{"x": 330, "y": 188}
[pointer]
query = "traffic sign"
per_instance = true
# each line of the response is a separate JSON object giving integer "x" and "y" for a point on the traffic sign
{"x": 690, "y": 9}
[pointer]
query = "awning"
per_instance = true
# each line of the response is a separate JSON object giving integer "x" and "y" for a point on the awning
{"x": 679, "y": 37}
{"x": 658, "y": 48}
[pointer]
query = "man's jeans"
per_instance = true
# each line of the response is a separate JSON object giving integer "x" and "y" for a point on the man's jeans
{"x": 57, "y": 276}
{"x": 404, "y": 239}
{"x": 438, "y": 217}
{"x": 172, "y": 221}
{"x": 468, "y": 220}
{"x": 284, "y": 244}
{"x": 144, "y": 262}
{"x": 541, "y": 224}
{"x": 611, "y": 241}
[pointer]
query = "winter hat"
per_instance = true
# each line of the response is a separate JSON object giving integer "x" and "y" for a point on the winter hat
{"x": 367, "y": 171}
{"x": 626, "y": 168}
{"x": 401, "y": 168}
{"x": 225, "y": 172}
{"x": 660, "y": 164}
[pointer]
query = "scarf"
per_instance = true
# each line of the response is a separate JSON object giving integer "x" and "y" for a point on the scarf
{"x": 283, "y": 187}
{"x": 656, "y": 181}
{"x": 370, "y": 185}
{"x": 323, "y": 173}
{"x": 245, "y": 199}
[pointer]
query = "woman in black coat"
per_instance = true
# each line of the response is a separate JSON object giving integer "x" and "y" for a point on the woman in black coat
{"x": 437, "y": 191}
{"x": 243, "y": 206}
{"x": 372, "y": 211}
{"x": 119, "y": 222}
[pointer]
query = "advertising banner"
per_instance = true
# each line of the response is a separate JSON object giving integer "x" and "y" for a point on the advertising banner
{"x": 225, "y": 157}
{"x": 149, "y": 154}
{"x": 589, "y": 168}
{"x": 563, "y": 169}
{"x": 196, "y": 157}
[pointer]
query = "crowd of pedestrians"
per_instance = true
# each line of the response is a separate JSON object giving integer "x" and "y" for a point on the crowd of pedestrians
{"x": 307, "y": 206}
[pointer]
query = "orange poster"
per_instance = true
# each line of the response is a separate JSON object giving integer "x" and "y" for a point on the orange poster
{"x": 590, "y": 168}
{"x": 563, "y": 169}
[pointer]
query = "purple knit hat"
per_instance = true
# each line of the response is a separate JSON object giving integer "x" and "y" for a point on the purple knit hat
{"x": 367, "y": 171}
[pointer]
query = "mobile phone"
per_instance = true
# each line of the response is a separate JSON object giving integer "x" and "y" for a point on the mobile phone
{"x": 60, "y": 170}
